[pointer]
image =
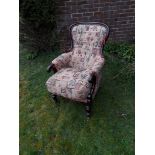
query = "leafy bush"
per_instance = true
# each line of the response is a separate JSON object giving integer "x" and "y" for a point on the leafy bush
{"x": 37, "y": 24}
{"x": 126, "y": 52}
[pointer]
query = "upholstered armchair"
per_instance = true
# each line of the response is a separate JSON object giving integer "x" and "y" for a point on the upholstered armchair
{"x": 78, "y": 72}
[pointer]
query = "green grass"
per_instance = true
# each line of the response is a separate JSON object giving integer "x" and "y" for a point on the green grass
{"x": 47, "y": 130}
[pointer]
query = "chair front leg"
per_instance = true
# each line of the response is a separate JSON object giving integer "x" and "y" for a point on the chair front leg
{"x": 88, "y": 106}
{"x": 90, "y": 96}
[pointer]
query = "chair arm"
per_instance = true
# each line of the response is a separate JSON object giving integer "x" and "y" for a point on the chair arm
{"x": 62, "y": 60}
{"x": 97, "y": 66}
{"x": 51, "y": 67}
{"x": 94, "y": 71}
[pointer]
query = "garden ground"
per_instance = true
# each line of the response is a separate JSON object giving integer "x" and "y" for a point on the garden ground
{"x": 46, "y": 129}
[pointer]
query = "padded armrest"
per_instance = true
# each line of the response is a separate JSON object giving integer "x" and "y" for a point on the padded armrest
{"x": 51, "y": 67}
{"x": 97, "y": 66}
{"x": 62, "y": 60}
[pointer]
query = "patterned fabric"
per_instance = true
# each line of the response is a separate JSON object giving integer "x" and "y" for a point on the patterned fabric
{"x": 76, "y": 67}
{"x": 70, "y": 83}
{"x": 62, "y": 60}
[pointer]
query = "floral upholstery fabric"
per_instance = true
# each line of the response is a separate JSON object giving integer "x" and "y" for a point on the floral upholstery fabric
{"x": 62, "y": 61}
{"x": 76, "y": 67}
{"x": 70, "y": 83}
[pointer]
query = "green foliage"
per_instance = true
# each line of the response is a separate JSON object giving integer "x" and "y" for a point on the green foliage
{"x": 37, "y": 24}
{"x": 50, "y": 130}
{"x": 126, "y": 53}
{"x": 31, "y": 55}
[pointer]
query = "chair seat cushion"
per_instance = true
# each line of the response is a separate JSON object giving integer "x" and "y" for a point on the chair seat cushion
{"x": 70, "y": 83}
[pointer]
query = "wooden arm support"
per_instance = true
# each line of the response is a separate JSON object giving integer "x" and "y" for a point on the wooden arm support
{"x": 92, "y": 88}
{"x": 51, "y": 67}
{"x": 90, "y": 96}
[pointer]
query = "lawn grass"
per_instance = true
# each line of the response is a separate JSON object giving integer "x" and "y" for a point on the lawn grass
{"x": 47, "y": 130}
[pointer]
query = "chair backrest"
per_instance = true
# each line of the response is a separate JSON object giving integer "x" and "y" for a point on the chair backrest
{"x": 88, "y": 40}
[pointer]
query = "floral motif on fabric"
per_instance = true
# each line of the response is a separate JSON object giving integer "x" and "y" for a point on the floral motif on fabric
{"x": 76, "y": 67}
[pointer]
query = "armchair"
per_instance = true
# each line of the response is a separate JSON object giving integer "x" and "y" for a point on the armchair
{"x": 78, "y": 72}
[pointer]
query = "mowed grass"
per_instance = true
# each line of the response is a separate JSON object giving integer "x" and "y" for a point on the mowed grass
{"x": 49, "y": 130}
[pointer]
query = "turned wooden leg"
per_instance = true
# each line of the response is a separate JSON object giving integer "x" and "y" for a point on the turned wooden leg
{"x": 88, "y": 106}
{"x": 90, "y": 96}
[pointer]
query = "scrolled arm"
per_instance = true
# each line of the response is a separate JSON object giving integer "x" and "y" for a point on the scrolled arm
{"x": 51, "y": 67}
{"x": 62, "y": 60}
{"x": 97, "y": 66}
{"x": 94, "y": 71}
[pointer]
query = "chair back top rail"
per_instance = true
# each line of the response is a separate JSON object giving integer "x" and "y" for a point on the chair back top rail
{"x": 89, "y": 23}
